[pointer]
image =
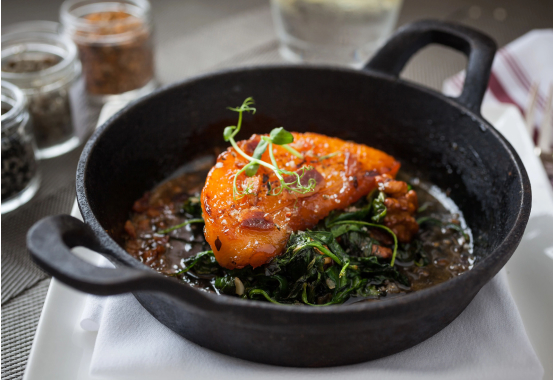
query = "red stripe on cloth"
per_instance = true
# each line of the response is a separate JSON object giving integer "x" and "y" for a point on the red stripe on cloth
{"x": 516, "y": 70}
{"x": 499, "y": 92}
{"x": 521, "y": 75}
{"x": 459, "y": 82}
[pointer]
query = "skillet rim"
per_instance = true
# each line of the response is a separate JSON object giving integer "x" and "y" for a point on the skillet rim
{"x": 477, "y": 274}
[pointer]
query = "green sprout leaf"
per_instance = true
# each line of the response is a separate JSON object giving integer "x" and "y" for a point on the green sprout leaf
{"x": 194, "y": 260}
{"x": 189, "y": 221}
{"x": 258, "y": 152}
{"x": 281, "y": 136}
{"x": 264, "y": 294}
{"x": 227, "y": 134}
{"x": 379, "y": 208}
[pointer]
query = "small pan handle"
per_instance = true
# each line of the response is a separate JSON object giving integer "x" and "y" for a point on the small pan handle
{"x": 50, "y": 241}
{"x": 478, "y": 47}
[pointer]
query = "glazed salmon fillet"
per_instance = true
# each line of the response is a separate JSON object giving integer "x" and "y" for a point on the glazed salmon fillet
{"x": 252, "y": 229}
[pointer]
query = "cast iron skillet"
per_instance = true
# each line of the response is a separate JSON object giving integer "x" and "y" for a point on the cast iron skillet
{"x": 443, "y": 140}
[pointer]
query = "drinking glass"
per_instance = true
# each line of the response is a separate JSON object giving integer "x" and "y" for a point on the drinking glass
{"x": 340, "y": 32}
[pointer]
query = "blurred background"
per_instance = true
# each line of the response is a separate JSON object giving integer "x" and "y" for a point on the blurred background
{"x": 175, "y": 20}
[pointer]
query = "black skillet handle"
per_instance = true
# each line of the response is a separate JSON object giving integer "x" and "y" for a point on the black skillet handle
{"x": 478, "y": 47}
{"x": 50, "y": 241}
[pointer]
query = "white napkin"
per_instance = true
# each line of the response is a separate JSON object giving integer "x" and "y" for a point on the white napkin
{"x": 517, "y": 68}
{"x": 487, "y": 341}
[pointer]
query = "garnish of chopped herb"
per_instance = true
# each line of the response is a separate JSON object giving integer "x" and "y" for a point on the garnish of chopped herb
{"x": 278, "y": 136}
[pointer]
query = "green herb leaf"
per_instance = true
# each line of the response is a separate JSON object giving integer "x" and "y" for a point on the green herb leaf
{"x": 227, "y": 133}
{"x": 189, "y": 221}
{"x": 280, "y": 136}
{"x": 226, "y": 284}
{"x": 257, "y": 153}
{"x": 192, "y": 207}
{"x": 192, "y": 261}
{"x": 430, "y": 220}
{"x": 264, "y": 294}
{"x": 379, "y": 208}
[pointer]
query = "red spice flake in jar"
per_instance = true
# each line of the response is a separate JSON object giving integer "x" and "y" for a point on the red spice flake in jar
{"x": 117, "y": 55}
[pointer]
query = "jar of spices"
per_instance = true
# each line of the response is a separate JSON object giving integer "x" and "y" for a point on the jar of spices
{"x": 20, "y": 176}
{"x": 114, "y": 39}
{"x": 39, "y": 59}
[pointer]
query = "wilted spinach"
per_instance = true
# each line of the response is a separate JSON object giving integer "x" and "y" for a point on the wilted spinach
{"x": 326, "y": 266}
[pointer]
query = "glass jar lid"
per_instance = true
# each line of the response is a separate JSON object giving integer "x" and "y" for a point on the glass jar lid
{"x": 36, "y": 55}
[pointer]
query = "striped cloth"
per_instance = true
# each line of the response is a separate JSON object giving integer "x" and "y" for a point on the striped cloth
{"x": 520, "y": 68}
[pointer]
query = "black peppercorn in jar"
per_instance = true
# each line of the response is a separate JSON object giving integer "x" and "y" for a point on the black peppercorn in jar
{"x": 39, "y": 59}
{"x": 20, "y": 176}
{"x": 114, "y": 40}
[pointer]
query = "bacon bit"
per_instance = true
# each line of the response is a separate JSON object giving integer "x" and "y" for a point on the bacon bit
{"x": 381, "y": 236}
{"x": 151, "y": 255}
{"x": 153, "y": 213}
{"x": 129, "y": 229}
{"x": 381, "y": 251}
{"x": 161, "y": 240}
{"x": 251, "y": 144}
{"x": 134, "y": 247}
{"x": 142, "y": 204}
{"x": 319, "y": 251}
{"x": 144, "y": 225}
{"x": 257, "y": 220}
{"x": 372, "y": 173}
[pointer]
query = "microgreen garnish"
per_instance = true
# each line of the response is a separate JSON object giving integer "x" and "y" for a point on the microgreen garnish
{"x": 330, "y": 155}
{"x": 278, "y": 136}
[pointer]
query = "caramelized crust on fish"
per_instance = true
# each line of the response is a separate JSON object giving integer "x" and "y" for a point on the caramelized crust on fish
{"x": 253, "y": 229}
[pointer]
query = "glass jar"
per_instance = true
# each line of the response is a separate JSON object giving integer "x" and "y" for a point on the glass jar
{"x": 114, "y": 40}
{"x": 20, "y": 176}
{"x": 43, "y": 63}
